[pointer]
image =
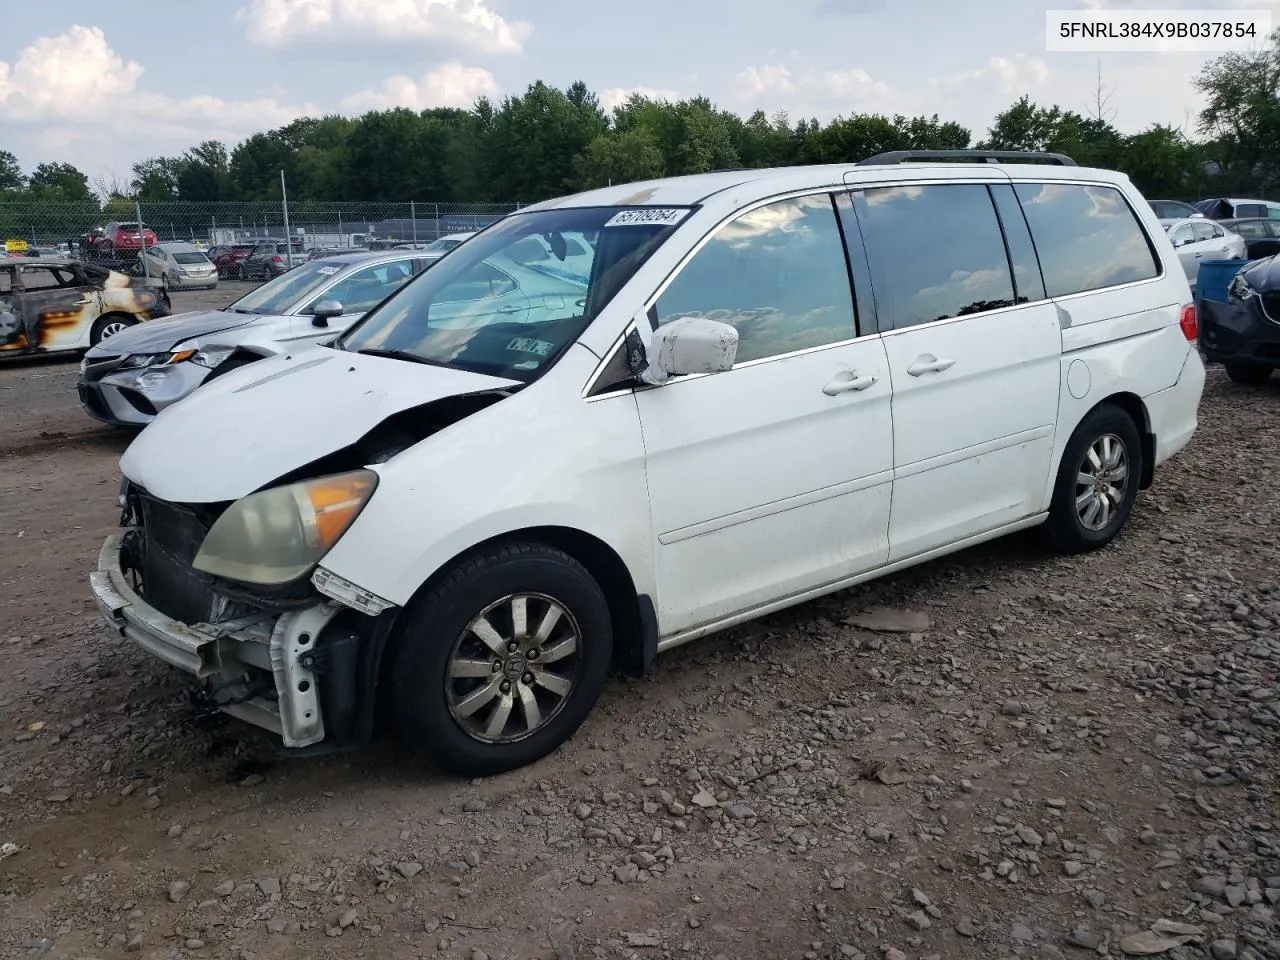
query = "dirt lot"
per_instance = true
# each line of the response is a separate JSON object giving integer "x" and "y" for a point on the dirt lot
{"x": 1067, "y": 753}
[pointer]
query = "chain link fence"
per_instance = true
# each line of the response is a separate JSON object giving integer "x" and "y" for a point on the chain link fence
{"x": 79, "y": 229}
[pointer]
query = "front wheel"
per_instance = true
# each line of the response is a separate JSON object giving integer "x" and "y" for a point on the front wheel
{"x": 1097, "y": 482}
{"x": 109, "y": 326}
{"x": 500, "y": 662}
{"x": 1249, "y": 374}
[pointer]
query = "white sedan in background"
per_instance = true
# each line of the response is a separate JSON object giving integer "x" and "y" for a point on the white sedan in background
{"x": 1195, "y": 241}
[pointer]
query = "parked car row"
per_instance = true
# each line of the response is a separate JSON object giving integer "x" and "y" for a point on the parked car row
{"x": 546, "y": 455}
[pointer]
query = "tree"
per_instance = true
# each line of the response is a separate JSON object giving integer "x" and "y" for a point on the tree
{"x": 533, "y": 139}
{"x": 155, "y": 180}
{"x": 625, "y": 157}
{"x": 59, "y": 182}
{"x": 1242, "y": 109}
{"x": 11, "y": 179}
{"x": 203, "y": 173}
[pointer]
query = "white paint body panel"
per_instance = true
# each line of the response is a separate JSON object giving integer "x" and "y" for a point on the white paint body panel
{"x": 725, "y": 495}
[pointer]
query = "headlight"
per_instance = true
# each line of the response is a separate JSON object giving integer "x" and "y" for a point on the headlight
{"x": 156, "y": 359}
{"x": 212, "y": 357}
{"x": 277, "y": 535}
{"x": 1239, "y": 289}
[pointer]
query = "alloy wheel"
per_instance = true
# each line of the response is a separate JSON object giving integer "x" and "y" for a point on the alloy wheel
{"x": 513, "y": 668}
{"x": 1101, "y": 481}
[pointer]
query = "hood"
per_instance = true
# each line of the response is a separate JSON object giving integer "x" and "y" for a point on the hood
{"x": 161, "y": 336}
{"x": 255, "y": 424}
{"x": 1263, "y": 275}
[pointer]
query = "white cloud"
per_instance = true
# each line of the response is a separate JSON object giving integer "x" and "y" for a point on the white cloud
{"x": 67, "y": 76}
{"x": 617, "y": 96}
{"x": 449, "y": 85}
{"x": 81, "y": 102}
{"x": 467, "y": 23}
{"x": 775, "y": 79}
{"x": 1015, "y": 75}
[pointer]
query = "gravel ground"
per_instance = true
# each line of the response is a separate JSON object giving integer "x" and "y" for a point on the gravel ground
{"x": 1000, "y": 754}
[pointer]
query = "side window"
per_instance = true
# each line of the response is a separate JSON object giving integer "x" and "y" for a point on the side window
{"x": 482, "y": 282}
{"x": 1207, "y": 231}
{"x": 1273, "y": 213}
{"x": 935, "y": 252}
{"x": 1028, "y": 283}
{"x": 1250, "y": 210}
{"x": 42, "y": 278}
{"x": 1087, "y": 237}
{"x": 6, "y": 279}
{"x": 1183, "y": 235}
{"x": 365, "y": 288}
{"x": 777, "y": 273}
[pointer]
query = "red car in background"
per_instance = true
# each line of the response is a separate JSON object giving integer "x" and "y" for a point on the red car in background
{"x": 121, "y": 238}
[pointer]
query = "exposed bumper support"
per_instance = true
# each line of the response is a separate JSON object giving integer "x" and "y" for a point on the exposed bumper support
{"x": 221, "y": 655}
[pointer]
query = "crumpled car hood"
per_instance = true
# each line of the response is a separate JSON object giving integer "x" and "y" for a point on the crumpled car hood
{"x": 1264, "y": 275}
{"x": 253, "y": 425}
{"x": 160, "y": 336}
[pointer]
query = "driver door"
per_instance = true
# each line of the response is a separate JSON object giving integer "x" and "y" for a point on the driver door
{"x": 13, "y": 340}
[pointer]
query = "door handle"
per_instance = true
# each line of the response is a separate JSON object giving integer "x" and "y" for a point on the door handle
{"x": 81, "y": 303}
{"x": 1199, "y": 255}
{"x": 928, "y": 363}
{"x": 846, "y": 383}
{"x": 510, "y": 308}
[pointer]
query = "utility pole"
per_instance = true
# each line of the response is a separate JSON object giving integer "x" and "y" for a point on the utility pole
{"x": 288, "y": 238}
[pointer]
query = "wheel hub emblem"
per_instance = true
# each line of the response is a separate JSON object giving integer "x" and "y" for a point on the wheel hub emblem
{"x": 513, "y": 667}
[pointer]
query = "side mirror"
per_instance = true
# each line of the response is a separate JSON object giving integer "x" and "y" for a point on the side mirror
{"x": 324, "y": 311}
{"x": 690, "y": 345}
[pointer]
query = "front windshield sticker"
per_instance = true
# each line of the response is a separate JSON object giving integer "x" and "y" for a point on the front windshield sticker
{"x": 328, "y": 270}
{"x": 647, "y": 216}
{"x": 526, "y": 345}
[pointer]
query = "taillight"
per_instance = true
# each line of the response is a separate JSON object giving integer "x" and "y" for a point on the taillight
{"x": 1190, "y": 328}
{"x": 277, "y": 259}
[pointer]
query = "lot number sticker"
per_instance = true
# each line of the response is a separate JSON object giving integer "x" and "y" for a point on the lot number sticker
{"x": 647, "y": 216}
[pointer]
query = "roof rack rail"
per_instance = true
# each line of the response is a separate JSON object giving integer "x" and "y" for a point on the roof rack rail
{"x": 983, "y": 156}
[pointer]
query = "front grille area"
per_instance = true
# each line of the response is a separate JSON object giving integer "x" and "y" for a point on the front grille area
{"x": 1271, "y": 306}
{"x": 170, "y": 535}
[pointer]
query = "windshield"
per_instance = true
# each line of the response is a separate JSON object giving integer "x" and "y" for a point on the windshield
{"x": 192, "y": 256}
{"x": 511, "y": 299}
{"x": 282, "y": 294}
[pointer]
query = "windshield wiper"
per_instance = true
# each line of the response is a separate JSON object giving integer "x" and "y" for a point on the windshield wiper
{"x": 401, "y": 355}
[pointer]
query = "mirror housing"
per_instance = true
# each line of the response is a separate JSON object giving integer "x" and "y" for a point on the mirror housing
{"x": 690, "y": 345}
{"x": 323, "y": 311}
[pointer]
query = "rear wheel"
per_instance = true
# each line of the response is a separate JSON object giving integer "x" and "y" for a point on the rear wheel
{"x": 1250, "y": 374}
{"x": 1097, "y": 482}
{"x": 501, "y": 661}
{"x": 109, "y": 326}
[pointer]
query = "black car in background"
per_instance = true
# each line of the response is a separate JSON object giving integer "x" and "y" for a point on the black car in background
{"x": 1243, "y": 334}
{"x": 1261, "y": 235}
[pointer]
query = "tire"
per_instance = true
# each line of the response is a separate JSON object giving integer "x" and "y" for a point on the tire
{"x": 452, "y": 720}
{"x": 107, "y": 325}
{"x": 1249, "y": 374}
{"x": 1074, "y": 526}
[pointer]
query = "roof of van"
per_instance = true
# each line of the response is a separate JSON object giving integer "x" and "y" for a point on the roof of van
{"x": 696, "y": 188}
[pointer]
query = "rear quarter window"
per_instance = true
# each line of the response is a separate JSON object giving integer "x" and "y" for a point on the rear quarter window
{"x": 1087, "y": 237}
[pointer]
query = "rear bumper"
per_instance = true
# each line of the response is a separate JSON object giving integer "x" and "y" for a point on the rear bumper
{"x": 193, "y": 283}
{"x": 252, "y": 667}
{"x": 1174, "y": 411}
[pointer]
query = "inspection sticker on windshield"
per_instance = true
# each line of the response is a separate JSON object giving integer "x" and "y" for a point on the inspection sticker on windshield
{"x": 528, "y": 345}
{"x": 328, "y": 270}
{"x": 647, "y": 216}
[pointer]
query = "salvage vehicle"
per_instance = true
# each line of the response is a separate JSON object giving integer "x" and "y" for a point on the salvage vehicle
{"x": 1261, "y": 235}
{"x": 1198, "y": 240}
{"x": 129, "y": 379}
{"x": 180, "y": 266}
{"x": 752, "y": 388}
{"x": 1243, "y": 334}
{"x": 52, "y": 305}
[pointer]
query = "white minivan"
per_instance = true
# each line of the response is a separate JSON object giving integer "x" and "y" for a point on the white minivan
{"x": 766, "y": 386}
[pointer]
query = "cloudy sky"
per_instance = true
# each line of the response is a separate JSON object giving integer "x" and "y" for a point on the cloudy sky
{"x": 103, "y": 86}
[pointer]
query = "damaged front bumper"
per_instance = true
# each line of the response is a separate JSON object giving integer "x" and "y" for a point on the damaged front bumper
{"x": 265, "y": 669}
